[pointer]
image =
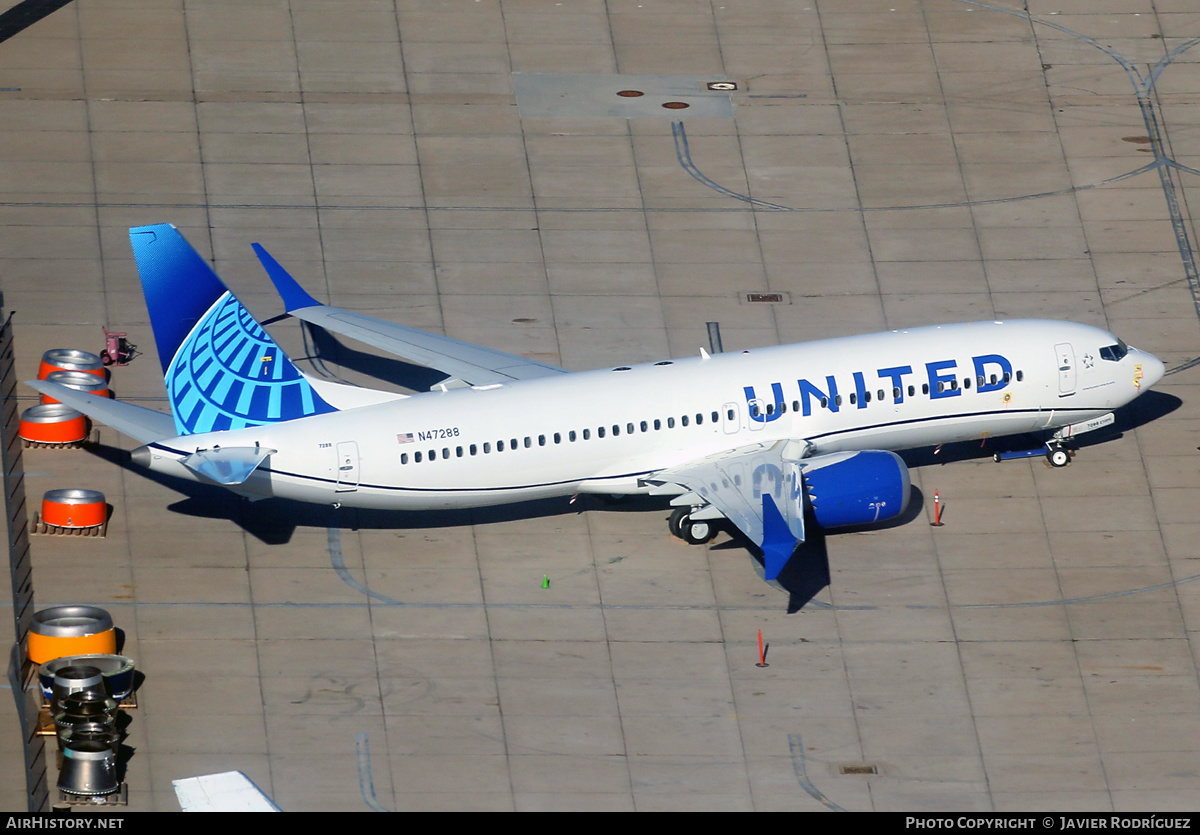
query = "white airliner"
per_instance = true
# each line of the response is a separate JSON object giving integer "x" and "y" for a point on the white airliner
{"x": 754, "y": 437}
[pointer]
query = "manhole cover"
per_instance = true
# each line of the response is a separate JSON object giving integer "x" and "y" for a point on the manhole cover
{"x": 543, "y": 96}
{"x": 858, "y": 768}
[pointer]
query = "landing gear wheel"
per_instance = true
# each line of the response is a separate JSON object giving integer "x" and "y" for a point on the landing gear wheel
{"x": 675, "y": 522}
{"x": 1058, "y": 456}
{"x": 698, "y": 532}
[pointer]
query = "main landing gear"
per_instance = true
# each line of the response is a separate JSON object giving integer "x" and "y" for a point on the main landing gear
{"x": 693, "y": 532}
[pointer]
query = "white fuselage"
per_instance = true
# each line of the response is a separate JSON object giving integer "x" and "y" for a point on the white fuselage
{"x": 604, "y": 431}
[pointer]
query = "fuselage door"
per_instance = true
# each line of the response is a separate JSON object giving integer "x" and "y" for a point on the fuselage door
{"x": 729, "y": 418}
{"x": 757, "y": 410}
{"x": 347, "y": 466}
{"x": 1066, "y": 368}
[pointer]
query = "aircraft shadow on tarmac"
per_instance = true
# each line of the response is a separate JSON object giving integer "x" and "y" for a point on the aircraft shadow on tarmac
{"x": 807, "y": 572}
{"x": 1147, "y": 408}
{"x": 325, "y": 353}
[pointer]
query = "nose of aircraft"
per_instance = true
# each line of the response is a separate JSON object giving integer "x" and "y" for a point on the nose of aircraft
{"x": 1152, "y": 369}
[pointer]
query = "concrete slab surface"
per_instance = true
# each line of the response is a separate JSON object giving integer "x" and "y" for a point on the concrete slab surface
{"x": 466, "y": 166}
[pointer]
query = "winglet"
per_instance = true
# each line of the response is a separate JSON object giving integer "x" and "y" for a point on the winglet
{"x": 293, "y": 295}
{"x": 778, "y": 542}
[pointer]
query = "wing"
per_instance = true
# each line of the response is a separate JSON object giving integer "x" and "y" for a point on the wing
{"x": 473, "y": 364}
{"x": 758, "y": 488}
{"x": 138, "y": 422}
{"x": 231, "y": 791}
{"x": 763, "y": 489}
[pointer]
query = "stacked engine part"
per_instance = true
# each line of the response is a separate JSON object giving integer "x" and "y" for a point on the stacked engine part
{"x": 85, "y": 722}
{"x": 85, "y": 685}
{"x": 53, "y": 424}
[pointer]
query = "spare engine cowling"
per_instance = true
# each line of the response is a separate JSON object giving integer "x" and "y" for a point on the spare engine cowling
{"x": 856, "y": 488}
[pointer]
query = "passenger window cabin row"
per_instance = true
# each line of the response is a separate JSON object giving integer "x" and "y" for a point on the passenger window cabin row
{"x": 572, "y": 436}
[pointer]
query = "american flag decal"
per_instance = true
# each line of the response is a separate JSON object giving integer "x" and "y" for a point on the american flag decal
{"x": 404, "y": 438}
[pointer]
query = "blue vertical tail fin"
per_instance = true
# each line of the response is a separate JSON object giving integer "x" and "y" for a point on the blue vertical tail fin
{"x": 222, "y": 370}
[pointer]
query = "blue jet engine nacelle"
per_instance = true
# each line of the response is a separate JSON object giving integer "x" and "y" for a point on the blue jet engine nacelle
{"x": 856, "y": 488}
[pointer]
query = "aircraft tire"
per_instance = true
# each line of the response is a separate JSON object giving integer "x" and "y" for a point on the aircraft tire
{"x": 675, "y": 521}
{"x": 699, "y": 532}
{"x": 1058, "y": 457}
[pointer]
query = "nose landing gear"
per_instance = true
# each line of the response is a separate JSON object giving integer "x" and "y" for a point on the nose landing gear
{"x": 1058, "y": 455}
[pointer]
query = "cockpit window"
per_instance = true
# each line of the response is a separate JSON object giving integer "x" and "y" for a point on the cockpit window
{"x": 1114, "y": 353}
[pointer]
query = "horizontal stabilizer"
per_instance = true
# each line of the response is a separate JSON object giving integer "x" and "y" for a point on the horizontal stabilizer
{"x": 227, "y": 465}
{"x": 138, "y": 422}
